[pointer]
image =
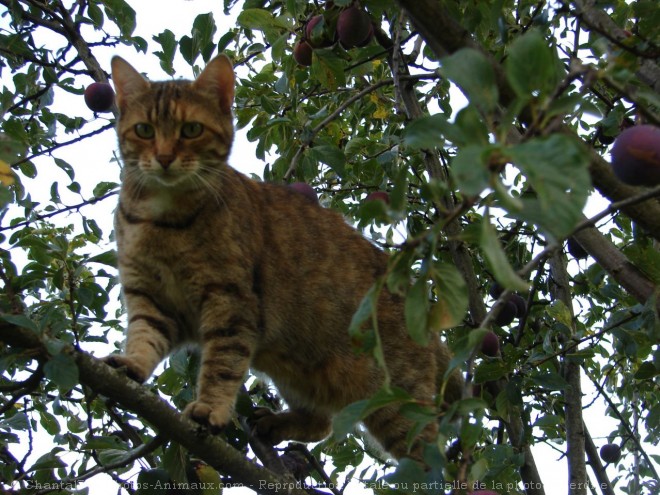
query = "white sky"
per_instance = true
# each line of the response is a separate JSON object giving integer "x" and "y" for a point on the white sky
{"x": 92, "y": 160}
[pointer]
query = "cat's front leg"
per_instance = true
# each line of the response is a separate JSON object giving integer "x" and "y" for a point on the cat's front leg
{"x": 228, "y": 336}
{"x": 149, "y": 336}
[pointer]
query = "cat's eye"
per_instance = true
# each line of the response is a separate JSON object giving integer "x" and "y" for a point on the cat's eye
{"x": 145, "y": 131}
{"x": 191, "y": 130}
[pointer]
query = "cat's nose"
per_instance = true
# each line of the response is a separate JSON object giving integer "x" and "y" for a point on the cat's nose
{"x": 165, "y": 160}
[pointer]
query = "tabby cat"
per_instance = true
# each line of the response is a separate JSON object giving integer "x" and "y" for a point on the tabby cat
{"x": 256, "y": 274}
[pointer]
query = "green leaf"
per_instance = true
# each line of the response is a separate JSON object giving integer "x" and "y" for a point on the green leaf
{"x": 95, "y": 14}
{"x": 560, "y": 313}
{"x": 11, "y": 149}
{"x": 225, "y": 39}
{"x": 255, "y": 19}
{"x": 471, "y": 126}
{"x": 548, "y": 380}
{"x": 646, "y": 259}
{"x": 364, "y": 311}
{"x": 18, "y": 421}
{"x": 122, "y": 14}
{"x": 174, "y": 461}
{"x": 168, "y": 43}
{"x": 417, "y": 311}
{"x": 344, "y": 421}
{"x": 152, "y": 481}
{"x": 452, "y": 294}
{"x": 556, "y": 168}
{"x": 103, "y": 188}
{"x": 108, "y": 258}
{"x": 532, "y": 66}
{"x": 49, "y": 423}
{"x": 48, "y": 461}
{"x": 62, "y": 370}
{"x": 646, "y": 371}
{"x": 497, "y": 260}
{"x": 331, "y": 155}
{"x": 20, "y": 321}
{"x": 471, "y": 71}
{"x": 112, "y": 456}
{"x": 201, "y": 40}
{"x": 426, "y": 132}
{"x": 328, "y": 69}
{"x": 469, "y": 168}
{"x": 490, "y": 371}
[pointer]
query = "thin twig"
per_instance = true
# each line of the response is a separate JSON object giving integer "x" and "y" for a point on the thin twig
{"x": 370, "y": 89}
{"x": 87, "y": 202}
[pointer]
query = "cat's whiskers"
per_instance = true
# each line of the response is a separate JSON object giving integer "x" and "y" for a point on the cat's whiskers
{"x": 211, "y": 185}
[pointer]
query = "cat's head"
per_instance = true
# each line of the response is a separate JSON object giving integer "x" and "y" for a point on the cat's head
{"x": 174, "y": 133}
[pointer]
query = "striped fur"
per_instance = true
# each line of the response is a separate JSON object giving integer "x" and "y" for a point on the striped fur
{"x": 254, "y": 273}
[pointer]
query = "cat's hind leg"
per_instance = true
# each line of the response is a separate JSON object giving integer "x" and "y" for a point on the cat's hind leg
{"x": 297, "y": 424}
{"x": 392, "y": 430}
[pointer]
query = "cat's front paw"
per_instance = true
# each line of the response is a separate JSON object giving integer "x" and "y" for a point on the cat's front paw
{"x": 132, "y": 367}
{"x": 215, "y": 417}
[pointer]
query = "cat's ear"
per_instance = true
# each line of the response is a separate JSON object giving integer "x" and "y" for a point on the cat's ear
{"x": 218, "y": 78}
{"x": 126, "y": 79}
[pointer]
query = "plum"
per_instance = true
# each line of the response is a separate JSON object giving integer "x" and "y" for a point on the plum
{"x": 378, "y": 196}
{"x": 304, "y": 189}
{"x": 490, "y": 346}
{"x": 610, "y": 452}
{"x": 575, "y": 249}
{"x": 302, "y": 53}
{"x": 520, "y": 303}
{"x": 507, "y": 314}
{"x": 636, "y": 156}
{"x": 354, "y": 27}
{"x": 317, "y": 38}
{"x": 99, "y": 97}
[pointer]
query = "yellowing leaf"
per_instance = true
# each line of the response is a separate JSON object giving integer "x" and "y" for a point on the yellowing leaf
{"x": 381, "y": 113}
{"x": 6, "y": 173}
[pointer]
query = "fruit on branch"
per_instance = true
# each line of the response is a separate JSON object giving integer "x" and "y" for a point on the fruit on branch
{"x": 636, "y": 156}
{"x": 495, "y": 290}
{"x": 575, "y": 249}
{"x": 318, "y": 38}
{"x": 99, "y": 97}
{"x": 305, "y": 189}
{"x": 507, "y": 314}
{"x": 302, "y": 53}
{"x": 520, "y": 303}
{"x": 490, "y": 346}
{"x": 354, "y": 27}
{"x": 610, "y": 452}
{"x": 378, "y": 196}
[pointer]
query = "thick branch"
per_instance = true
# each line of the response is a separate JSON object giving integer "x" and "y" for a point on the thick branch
{"x": 599, "y": 21}
{"x": 168, "y": 421}
{"x": 616, "y": 264}
{"x": 575, "y": 449}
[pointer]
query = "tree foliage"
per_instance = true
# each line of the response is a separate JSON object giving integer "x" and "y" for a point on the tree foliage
{"x": 488, "y": 124}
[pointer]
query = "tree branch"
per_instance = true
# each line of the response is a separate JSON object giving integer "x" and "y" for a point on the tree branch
{"x": 599, "y": 21}
{"x": 169, "y": 422}
{"x": 575, "y": 449}
{"x": 445, "y": 36}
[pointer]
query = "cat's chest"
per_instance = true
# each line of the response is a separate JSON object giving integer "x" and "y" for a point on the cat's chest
{"x": 172, "y": 263}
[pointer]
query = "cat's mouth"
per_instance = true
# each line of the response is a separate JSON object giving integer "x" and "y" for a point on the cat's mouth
{"x": 167, "y": 177}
